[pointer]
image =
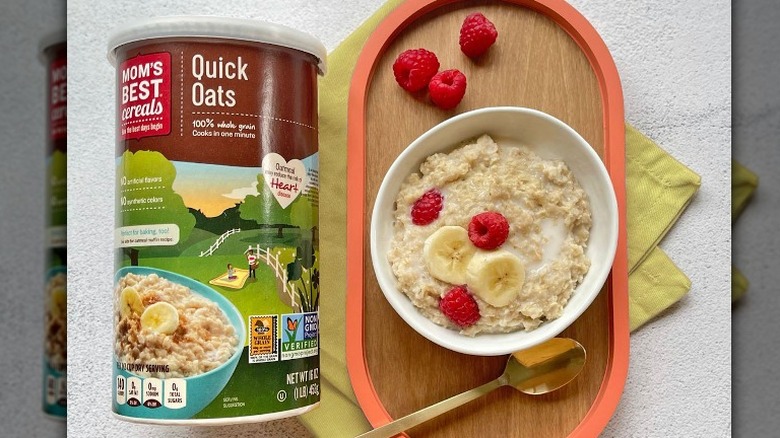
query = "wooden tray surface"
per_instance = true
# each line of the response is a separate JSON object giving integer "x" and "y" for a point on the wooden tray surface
{"x": 535, "y": 63}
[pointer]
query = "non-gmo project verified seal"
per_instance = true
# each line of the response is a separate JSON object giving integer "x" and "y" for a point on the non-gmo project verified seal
{"x": 300, "y": 335}
{"x": 263, "y": 336}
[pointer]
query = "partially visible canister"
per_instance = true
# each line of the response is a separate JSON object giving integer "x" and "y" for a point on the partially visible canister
{"x": 216, "y": 290}
{"x": 53, "y": 54}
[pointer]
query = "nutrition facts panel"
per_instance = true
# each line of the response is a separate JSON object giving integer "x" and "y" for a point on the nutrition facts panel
{"x": 56, "y": 390}
{"x": 151, "y": 392}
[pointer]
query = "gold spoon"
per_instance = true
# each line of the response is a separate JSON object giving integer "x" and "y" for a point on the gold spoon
{"x": 535, "y": 371}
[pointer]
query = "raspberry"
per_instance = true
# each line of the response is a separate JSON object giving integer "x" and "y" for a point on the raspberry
{"x": 459, "y": 306}
{"x": 414, "y": 68}
{"x": 477, "y": 34}
{"x": 447, "y": 88}
{"x": 427, "y": 207}
{"x": 488, "y": 230}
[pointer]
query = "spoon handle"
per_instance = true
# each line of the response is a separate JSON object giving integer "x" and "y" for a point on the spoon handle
{"x": 395, "y": 427}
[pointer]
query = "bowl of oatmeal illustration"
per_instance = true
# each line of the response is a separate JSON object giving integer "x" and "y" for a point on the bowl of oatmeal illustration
{"x": 171, "y": 329}
{"x": 55, "y": 320}
{"x": 494, "y": 231}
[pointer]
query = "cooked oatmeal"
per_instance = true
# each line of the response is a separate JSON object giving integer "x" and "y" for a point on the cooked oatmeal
{"x": 203, "y": 339}
{"x": 56, "y": 323}
{"x": 549, "y": 224}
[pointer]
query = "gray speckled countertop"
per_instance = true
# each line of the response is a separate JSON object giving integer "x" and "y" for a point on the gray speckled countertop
{"x": 675, "y": 63}
{"x": 756, "y": 240}
{"x": 22, "y": 123}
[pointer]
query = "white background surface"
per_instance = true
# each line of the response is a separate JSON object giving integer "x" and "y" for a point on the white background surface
{"x": 674, "y": 60}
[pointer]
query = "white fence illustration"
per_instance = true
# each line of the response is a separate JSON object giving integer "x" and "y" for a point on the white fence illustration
{"x": 268, "y": 257}
{"x": 218, "y": 242}
{"x": 280, "y": 270}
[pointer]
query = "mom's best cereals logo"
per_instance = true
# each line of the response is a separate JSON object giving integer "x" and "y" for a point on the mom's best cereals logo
{"x": 300, "y": 335}
{"x": 145, "y": 96}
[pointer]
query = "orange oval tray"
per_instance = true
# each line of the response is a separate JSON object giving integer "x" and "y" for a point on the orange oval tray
{"x": 547, "y": 57}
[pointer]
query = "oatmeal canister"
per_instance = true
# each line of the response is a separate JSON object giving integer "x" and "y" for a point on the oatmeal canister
{"x": 216, "y": 291}
{"x": 54, "y": 56}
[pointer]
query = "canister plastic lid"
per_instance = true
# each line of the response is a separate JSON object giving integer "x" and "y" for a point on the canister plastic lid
{"x": 217, "y": 27}
{"x": 55, "y": 38}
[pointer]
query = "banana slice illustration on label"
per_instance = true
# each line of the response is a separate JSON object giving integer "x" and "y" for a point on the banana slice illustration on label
{"x": 495, "y": 276}
{"x": 447, "y": 253}
{"x": 58, "y": 302}
{"x": 129, "y": 302}
{"x": 160, "y": 317}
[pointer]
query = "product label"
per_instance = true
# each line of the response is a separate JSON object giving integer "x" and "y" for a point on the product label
{"x": 55, "y": 279}
{"x": 145, "y": 96}
{"x": 55, "y": 341}
{"x": 263, "y": 335}
{"x": 285, "y": 179}
{"x": 147, "y": 235}
{"x": 58, "y": 98}
{"x": 217, "y": 241}
{"x": 57, "y": 199}
{"x": 175, "y": 393}
{"x": 300, "y": 335}
{"x": 134, "y": 389}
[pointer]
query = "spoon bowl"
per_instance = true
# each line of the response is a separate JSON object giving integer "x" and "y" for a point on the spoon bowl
{"x": 546, "y": 367}
{"x": 534, "y": 371}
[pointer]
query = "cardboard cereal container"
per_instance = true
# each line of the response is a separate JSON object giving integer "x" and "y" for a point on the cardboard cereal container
{"x": 53, "y": 54}
{"x": 216, "y": 289}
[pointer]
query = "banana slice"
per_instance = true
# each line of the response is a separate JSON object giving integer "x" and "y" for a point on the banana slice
{"x": 447, "y": 252}
{"x": 129, "y": 302}
{"x": 58, "y": 302}
{"x": 495, "y": 276}
{"x": 160, "y": 317}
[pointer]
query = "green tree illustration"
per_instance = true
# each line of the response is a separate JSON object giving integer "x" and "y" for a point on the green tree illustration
{"x": 137, "y": 166}
{"x": 307, "y": 287}
{"x": 305, "y": 214}
{"x": 57, "y": 190}
{"x": 264, "y": 209}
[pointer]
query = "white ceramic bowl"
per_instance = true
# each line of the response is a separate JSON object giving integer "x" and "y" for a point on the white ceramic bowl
{"x": 548, "y": 137}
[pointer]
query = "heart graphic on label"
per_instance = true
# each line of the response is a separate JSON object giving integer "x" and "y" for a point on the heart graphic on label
{"x": 285, "y": 179}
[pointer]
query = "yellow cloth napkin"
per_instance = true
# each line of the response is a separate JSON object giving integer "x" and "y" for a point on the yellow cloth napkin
{"x": 338, "y": 414}
{"x": 739, "y": 284}
{"x": 659, "y": 189}
{"x": 743, "y": 184}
